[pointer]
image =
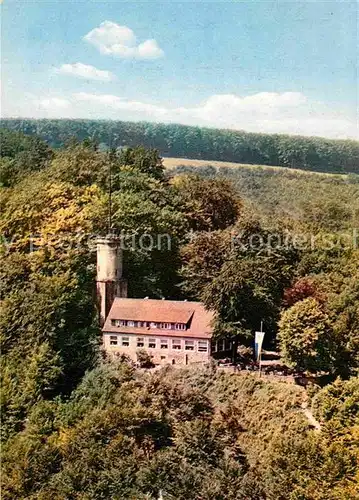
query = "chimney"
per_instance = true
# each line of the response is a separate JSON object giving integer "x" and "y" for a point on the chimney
{"x": 109, "y": 281}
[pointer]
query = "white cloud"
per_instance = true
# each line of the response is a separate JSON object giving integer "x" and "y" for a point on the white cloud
{"x": 54, "y": 103}
{"x": 118, "y": 103}
{"x": 48, "y": 107}
{"x": 112, "y": 39}
{"x": 86, "y": 71}
{"x": 149, "y": 50}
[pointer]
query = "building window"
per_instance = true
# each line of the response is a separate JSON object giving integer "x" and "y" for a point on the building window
{"x": 120, "y": 322}
{"x": 164, "y": 344}
{"x": 113, "y": 322}
{"x": 202, "y": 346}
{"x": 152, "y": 343}
{"x": 214, "y": 346}
{"x": 166, "y": 326}
{"x": 189, "y": 345}
{"x": 176, "y": 344}
{"x": 130, "y": 323}
{"x": 140, "y": 342}
{"x": 113, "y": 339}
{"x": 163, "y": 357}
{"x": 180, "y": 326}
{"x": 125, "y": 341}
{"x": 221, "y": 345}
{"x": 153, "y": 324}
{"x": 139, "y": 324}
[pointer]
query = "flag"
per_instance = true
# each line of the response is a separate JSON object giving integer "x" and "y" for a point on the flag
{"x": 258, "y": 341}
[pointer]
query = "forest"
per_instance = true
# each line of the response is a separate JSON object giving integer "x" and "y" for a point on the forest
{"x": 307, "y": 153}
{"x": 254, "y": 244}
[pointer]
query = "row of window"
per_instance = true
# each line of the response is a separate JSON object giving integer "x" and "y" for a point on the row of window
{"x": 148, "y": 324}
{"x": 221, "y": 345}
{"x": 176, "y": 344}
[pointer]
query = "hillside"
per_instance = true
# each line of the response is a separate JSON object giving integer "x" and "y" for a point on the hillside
{"x": 309, "y": 201}
{"x": 180, "y": 434}
{"x": 77, "y": 423}
{"x": 171, "y": 163}
{"x": 307, "y": 153}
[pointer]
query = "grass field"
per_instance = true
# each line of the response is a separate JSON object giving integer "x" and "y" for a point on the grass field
{"x": 170, "y": 163}
{"x": 321, "y": 201}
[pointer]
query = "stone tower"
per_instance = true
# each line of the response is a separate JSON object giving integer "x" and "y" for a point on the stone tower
{"x": 109, "y": 281}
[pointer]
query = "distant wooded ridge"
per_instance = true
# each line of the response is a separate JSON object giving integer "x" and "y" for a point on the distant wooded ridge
{"x": 308, "y": 153}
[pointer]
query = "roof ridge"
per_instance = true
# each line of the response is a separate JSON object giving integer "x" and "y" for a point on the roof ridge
{"x": 160, "y": 300}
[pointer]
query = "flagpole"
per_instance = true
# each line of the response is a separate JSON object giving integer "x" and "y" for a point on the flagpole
{"x": 260, "y": 354}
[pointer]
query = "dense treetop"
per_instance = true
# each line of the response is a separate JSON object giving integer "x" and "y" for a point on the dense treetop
{"x": 75, "y": 425}
{"x": 309, "y": 153}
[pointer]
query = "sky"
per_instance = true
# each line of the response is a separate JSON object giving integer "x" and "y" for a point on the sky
{"x": 261, "y": 66}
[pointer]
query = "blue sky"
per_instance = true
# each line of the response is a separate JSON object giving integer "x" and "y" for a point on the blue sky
{"x": 288, "y": 67}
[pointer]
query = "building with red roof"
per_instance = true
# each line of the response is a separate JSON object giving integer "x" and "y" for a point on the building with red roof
{"x": 175, "y": 332}
{"x": 170, "y": 331}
